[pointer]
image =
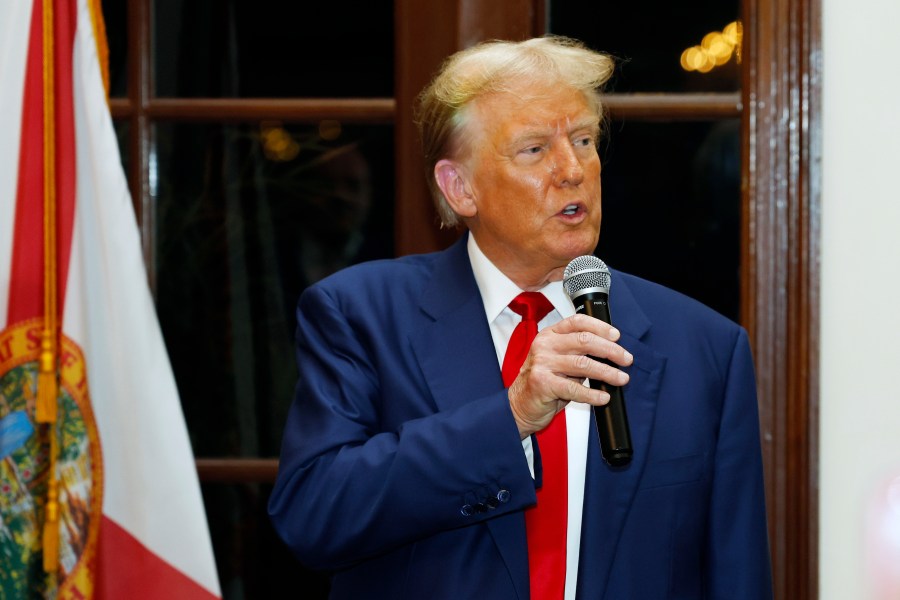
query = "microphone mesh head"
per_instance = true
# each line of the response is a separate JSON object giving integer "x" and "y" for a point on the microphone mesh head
{"x": 585, "y": 273}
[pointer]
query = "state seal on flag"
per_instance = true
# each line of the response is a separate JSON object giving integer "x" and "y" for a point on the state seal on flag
{"x": 24, "y": 470}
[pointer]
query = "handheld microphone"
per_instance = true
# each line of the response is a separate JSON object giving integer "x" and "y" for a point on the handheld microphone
{"x": 586, "y": 281}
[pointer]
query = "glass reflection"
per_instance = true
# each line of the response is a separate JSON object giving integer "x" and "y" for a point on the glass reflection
{"x": 648, "y": 40}
{"x": 115, "y": 19}
{"x": 269, "y": 48}
{"x": 122, "y": 134}
{"x": 671, "y": 207}
{"x": 245, "y": 221}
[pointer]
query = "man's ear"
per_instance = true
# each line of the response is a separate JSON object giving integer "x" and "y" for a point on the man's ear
{"x": 451, "y": 177}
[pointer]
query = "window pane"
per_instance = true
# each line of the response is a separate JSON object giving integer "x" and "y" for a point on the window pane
{"x": 270, "y": 48}
{"x": 648, "y": 39}
{"x": 671, "y": 207}
{"x": 122, "y": 128}
{"x": 247, "y": 217}
{"x": 252, "y": 561}
{"x": 115, "y": 18}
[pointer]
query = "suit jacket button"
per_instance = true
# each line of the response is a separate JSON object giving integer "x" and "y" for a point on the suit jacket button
{"x": 503, "y": 496}
{"x": 467, "y": 510}
{"x": 491, "y": 503}
{"x": 480, "y": 507}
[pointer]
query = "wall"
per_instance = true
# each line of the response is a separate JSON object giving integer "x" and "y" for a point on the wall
{"x": 860, "y": 321}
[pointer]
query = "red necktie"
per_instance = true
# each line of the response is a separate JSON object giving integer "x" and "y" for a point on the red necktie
{"x": 546, "y": 522}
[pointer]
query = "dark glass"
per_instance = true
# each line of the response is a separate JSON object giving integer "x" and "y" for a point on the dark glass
{"x": 270, "y": 48}
{"x": 648, "y": 38}
{"x": 251, "y": 559}
{"x": 122, "y": 128}
{"x": 247, "y": 217}
{"x": 115, "y": 19}
{"x": 671, "y": 207}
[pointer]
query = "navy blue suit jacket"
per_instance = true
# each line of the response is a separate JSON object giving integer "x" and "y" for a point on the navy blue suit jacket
{"x": 402, "y": 471}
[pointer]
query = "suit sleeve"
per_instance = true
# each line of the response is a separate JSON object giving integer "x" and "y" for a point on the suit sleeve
{"x": 348, "y": 486}
{"x": 738, "y": 551}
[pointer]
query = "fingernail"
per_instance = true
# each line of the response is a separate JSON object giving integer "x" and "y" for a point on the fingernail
{"x": 614, "y": 334}
{"x": 624, "y": 377}
{"x": 628, "y": 356}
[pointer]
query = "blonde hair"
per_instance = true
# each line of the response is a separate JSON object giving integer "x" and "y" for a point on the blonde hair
{"x": 492, "y": 67}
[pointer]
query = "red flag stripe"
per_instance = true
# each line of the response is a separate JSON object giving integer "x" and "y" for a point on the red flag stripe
{"x": 128, "y": 569}
{"x": 26, "y": 295}
{"x": 27, "y": 265}
{"x": 66, "y": 21}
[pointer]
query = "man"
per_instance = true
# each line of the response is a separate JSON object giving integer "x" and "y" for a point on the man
{"x": 417, "y": 457}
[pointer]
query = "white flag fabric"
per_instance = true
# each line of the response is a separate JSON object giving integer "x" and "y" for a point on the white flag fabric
{"x": 131, "y": 517}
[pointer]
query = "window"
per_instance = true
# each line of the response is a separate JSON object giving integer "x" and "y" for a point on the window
{"x": 238, "y": 120}
{"x": 671, "y": 175}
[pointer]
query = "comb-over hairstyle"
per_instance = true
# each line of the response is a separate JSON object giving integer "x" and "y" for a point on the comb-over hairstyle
{"x": 492, "y": 67}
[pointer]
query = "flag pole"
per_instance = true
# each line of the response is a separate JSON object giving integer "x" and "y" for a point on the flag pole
{"x": 48, "y": 382}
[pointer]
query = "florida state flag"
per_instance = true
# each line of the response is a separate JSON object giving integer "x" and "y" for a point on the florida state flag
{"x": 99, "y": 497}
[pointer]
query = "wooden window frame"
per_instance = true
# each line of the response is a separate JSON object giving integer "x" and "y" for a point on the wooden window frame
{"x": 780, "y": 111}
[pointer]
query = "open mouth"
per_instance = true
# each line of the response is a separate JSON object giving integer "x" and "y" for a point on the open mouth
{"x": 570, "y": 210}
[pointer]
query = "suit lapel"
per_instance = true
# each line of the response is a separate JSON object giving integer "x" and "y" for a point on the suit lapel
{"x": 452, "y": 342}
{"x": 610, "y": 491}
{"x": 455, "y": 351}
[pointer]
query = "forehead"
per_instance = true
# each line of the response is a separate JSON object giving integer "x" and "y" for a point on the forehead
{"x": 537, "y": 108}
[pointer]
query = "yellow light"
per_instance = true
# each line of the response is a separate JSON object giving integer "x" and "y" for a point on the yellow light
{"x": 715, "y": 44}
{"x": 716, "y": 49}
{"x": 709, "y": 39}
{"x": 329, "y": 129}
{"x": 730, "y": 33}
{"x": 277, "y": 143}
{"x": 696, "y": 57}
{"x": 708, "y": 64}
{"x": 685, "y": 63}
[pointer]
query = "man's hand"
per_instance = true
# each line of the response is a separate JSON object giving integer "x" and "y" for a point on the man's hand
{"x": 556, "y": 366}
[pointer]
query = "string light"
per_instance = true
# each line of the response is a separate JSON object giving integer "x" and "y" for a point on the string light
{"x": 715, "y": 50}
{"x": 277, "y": 143}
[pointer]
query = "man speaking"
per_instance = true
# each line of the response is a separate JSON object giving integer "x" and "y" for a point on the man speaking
{"x": 442, "y": 441}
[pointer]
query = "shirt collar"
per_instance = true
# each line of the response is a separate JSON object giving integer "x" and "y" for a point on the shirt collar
{"x": 497, "y": 290}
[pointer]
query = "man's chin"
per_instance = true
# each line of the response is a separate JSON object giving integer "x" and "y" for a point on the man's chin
{"x": 581, "y": 248}
{"x": 566, "y": 258}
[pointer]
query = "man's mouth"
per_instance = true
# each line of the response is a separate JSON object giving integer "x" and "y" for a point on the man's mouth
{"x": 570, "y": 210}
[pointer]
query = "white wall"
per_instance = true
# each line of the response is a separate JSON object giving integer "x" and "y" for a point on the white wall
{"x": 860, "y": 302}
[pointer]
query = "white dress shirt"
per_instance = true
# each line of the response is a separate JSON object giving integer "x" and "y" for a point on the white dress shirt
{"x": 497, "y": 291}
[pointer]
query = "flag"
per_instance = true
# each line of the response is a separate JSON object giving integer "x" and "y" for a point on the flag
{"x": 99, "y": 495}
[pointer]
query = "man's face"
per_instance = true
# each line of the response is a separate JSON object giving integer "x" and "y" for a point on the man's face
{"x": 534, "y": 176}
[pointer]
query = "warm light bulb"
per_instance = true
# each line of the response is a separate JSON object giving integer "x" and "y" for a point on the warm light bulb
{"x": 685, "y": 63}
{"x": 709, "y": 62}
{"x": 730, "y": 33}
{"x": 696, "y": 57}
{"x": 716, "y": 49}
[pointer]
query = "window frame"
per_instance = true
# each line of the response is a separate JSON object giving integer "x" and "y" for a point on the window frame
{"x": 780, "y": 110}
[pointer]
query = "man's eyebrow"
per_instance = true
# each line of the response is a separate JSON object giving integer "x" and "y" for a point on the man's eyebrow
{"x": 533, "y": 133}
{"x": 539, "y": 131}
{"x": 591, "y": 124}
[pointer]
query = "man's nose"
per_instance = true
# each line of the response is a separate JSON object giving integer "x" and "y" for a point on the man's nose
{"x": 567, "y": 167}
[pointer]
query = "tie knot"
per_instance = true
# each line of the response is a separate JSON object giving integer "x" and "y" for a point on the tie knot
{"x": 532, "y": 306}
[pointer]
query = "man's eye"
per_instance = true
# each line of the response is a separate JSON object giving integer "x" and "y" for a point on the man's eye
{"x": 532, "y": 150}
{"x": 584, "y": 142}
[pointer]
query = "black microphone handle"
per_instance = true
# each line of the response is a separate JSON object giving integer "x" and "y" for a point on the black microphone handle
{"x": 612, "y": 419}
